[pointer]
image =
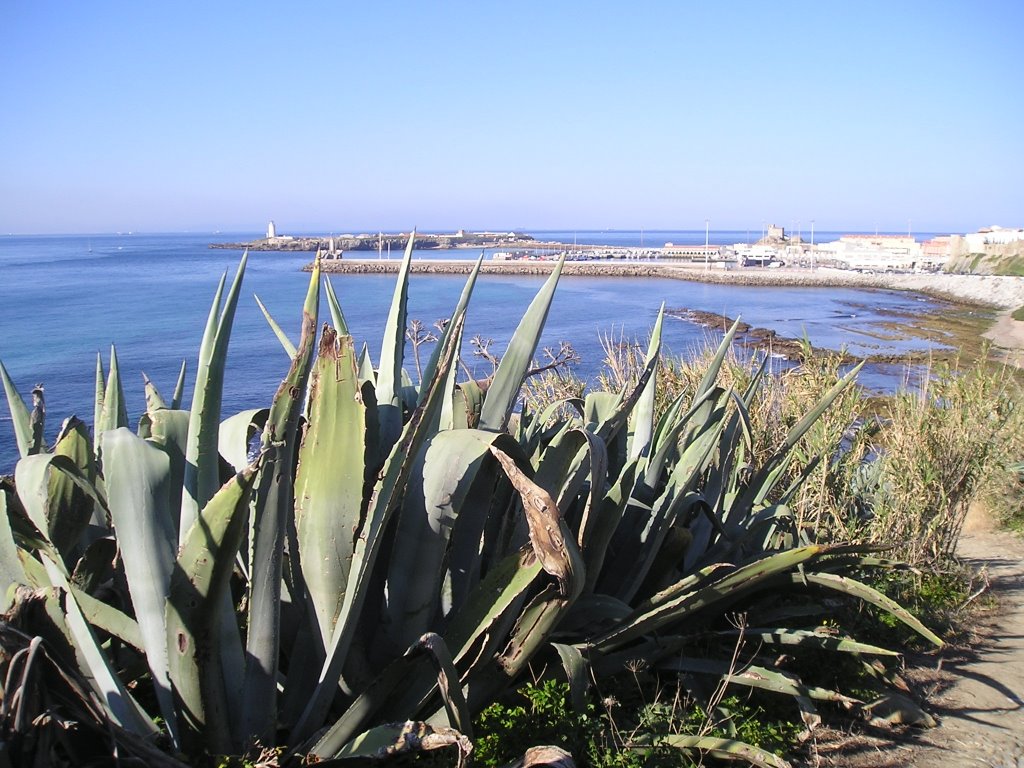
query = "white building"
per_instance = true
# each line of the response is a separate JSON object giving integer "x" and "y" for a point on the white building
{"x": 995, "y": 235}
{"x": 271, "y": 231}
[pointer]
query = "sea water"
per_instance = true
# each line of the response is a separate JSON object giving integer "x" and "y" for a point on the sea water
{"x": 64, "y": 299}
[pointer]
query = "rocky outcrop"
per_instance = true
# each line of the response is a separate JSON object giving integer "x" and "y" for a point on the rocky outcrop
{"x": 394, "y": 243}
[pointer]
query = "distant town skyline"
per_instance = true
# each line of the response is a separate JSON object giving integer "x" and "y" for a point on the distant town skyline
{"x": 152, "y": 118}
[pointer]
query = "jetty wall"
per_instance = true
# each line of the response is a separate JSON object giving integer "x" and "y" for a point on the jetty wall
{"x": 982, "y": 290}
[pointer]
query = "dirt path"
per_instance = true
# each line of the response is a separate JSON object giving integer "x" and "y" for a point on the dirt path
{"x": 981, "y": 713}
{"x": 976, "y": 692}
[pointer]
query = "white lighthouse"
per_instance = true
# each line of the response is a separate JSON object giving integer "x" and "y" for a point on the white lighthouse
{"x": 271, "y": 231}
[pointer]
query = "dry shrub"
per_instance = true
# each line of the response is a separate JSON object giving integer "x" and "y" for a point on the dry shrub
{"x": 938, "y": 449}
{"x": 899, "y": 471}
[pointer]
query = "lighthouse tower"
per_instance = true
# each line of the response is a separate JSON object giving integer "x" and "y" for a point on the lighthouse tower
{"x": 271, "y": 231}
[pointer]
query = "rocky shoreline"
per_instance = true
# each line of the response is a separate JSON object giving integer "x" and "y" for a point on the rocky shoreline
{"x": 997, "y": 292}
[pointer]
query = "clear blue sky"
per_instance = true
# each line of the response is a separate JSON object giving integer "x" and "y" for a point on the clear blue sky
{"x": 339, "y": 116}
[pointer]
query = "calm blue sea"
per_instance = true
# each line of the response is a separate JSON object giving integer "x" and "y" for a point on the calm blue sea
{"x": 65, "y": 298}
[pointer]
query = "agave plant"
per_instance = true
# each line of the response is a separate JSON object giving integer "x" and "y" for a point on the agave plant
{"x": 361, "y": 567}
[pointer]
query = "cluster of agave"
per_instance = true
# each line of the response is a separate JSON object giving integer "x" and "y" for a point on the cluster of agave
{"x": 363, "y": 566}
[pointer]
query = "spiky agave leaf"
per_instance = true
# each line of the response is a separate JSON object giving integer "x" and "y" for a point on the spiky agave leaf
{"x": 193, "y": 615}
{"x": 392, "y": 351}
{"x": 329, "y": 478}
{"x": 390, "y": 486}
{"x": 201, "y": 468}
{"x": 20, "y": 416}
{"x": 274, "y": 501}
{"x": 138, "y": 479}
{"x": 508, "y": 379}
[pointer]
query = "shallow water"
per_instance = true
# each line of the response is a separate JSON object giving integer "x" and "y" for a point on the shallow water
{"x": 63, "y": 299}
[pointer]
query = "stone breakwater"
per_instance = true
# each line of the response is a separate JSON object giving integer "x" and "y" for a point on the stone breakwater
{"x": 982, "y": 290}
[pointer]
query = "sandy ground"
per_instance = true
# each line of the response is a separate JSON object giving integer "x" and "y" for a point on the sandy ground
{"x": 975, "y": 693}
{"x": 981, "y": 714}
{"x": 1008, "y": 334}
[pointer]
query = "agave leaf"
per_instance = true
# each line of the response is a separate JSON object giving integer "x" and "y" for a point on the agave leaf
{"x": 366, "y": 372}
{"x": 764, "y": 679}
{"x": 725, "y": 749}
{"x": 606, "y": 518}
{"x": 715, "y": 366}
{"x": 459, "y": 313}
{"x": 34, "y": 476}
{"x": 389, "y": 373}
{"x": 393, "y": 478}
{"x": 111, "y": 620}
{"x": 404, "y": 672}
{"x": 237, "y": 434}
{"x": 871, "y": 595}
{"x": 408, "y": 393}
{"x": 576, "y": 673}
{"x": 467, "y": 403}
{"x": 439, "y": 486}
{"x": 593, "y": 456}
{"x": 508, "y": 379}
{"x": 641, "y": 419}
{"x": 767, "y": 476}
{"x": 101, "y": 392}
{"x": 11, "y": 569}
{"x": 497, "y": 597}
{"x": 558, "y": 555}
{"x": 664, "y": 440}
{"x": 115, "y": 411}
{"x": 282, "y": 337}
{"x": 169, "y": 431}
{"x": 69, "y": 507}
{"x": 273, "y": 505}
{"x": 116, "y": 699}
{"x": 550, "y": 537}
{"x": 154, "y": 401}
{"x": 652, "y": 617}
{"x": 639, "y": 536}
{"x": 476, "y": 631}
{"x": 202, "y": 473}
{"x": 193, "y": 614}
{"x": 617, "y": 415}
{"x": 754, "y": 676}
{"x": 179, "y": 389}
{"x": 397, "y": 678}
{"x": 329, "y": 478}
{"x": 456, "y": 708}
{"x": 138, "y": 481}
{"x": 563, "y": 466}
{"x": 755, "y": 382}
{"x": 20, "y": 416}
{"x": 337, "y": 316}
{"x": 804, "y": 638}
{"x": 387, "y": 741}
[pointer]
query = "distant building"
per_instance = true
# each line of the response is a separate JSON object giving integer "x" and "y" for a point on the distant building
{"x": 874, "y": 252}
{"x": 672, "y": 251}
{"x": 937, "y": 251}
{"x": 976, "y": 241}
{"x": 776, "y": 232}
{"x": 271, "y": 231}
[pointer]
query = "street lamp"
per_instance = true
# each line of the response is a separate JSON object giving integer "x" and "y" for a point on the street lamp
{"x": 707, "y": 255}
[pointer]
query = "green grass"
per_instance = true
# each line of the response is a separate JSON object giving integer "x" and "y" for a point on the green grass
{"x": 1018, "y": 314}
{"x": 541, "y": 713}
{"x": 1013, "y": 266}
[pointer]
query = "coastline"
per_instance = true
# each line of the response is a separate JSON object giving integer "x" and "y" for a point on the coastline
{"x": 1001, "y": 293}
